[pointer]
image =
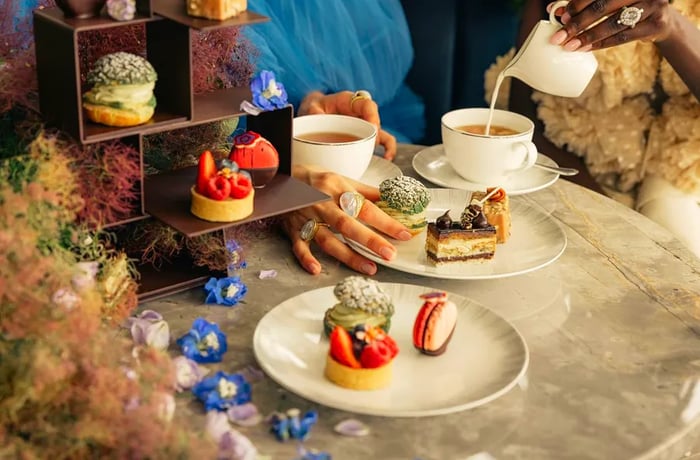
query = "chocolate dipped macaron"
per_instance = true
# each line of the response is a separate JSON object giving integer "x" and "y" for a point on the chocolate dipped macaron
{"x": 435, "y": 323}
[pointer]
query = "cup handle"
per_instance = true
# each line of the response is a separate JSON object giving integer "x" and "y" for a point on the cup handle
{"x": 531, "y": 157}
{"x": 552, "y": 17}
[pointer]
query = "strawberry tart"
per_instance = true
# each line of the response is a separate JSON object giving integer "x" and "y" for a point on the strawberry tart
{"x": 361, "y": 359}
{"x": 434, "y": 324}
{"x": 221, "y": 194}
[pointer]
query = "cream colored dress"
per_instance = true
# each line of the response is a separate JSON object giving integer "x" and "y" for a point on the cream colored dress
{"x": 645, "y": 157}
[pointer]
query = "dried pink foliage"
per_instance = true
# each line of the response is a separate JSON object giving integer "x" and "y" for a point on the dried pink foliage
{"x": 109, "y": 175}
{"x": 220, "y": 59}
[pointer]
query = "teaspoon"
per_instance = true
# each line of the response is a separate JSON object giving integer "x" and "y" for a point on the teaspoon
{"x": 557, "y": 169}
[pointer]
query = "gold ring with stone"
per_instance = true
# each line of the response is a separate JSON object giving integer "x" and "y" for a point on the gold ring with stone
{"x": 630, "y": 16}
{"x": 351, "y": 203}
{"x": 310, "y": 228}
{"x": 361, "y": 94}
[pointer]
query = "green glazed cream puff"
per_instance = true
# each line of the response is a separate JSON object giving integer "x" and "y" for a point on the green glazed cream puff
{"x": 360, "y": 301}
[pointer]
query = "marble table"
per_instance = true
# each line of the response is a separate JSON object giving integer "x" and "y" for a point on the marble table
{"x": 613, "y": 329}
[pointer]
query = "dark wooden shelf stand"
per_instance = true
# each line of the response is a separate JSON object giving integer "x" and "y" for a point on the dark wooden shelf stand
{"x": 169, "y": 38}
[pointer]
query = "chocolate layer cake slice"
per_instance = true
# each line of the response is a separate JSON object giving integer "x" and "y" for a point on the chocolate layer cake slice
{"x": 456, "y": 244}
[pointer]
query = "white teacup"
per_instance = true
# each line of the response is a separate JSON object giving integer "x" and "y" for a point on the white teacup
{"x": 488, "y": 159}
{"x": 335, "y": 143}
{"x": 550, "y": 68}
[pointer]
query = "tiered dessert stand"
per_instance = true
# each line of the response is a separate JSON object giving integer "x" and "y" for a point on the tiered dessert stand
{"x": 168, "y": 47}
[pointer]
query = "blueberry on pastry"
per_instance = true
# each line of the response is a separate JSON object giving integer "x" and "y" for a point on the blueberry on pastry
{"x": 122, "y": 90}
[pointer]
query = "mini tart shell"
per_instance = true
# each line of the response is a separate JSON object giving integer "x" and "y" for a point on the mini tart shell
{"x": 357, "y": 379}
{"x": 228, "y": 210}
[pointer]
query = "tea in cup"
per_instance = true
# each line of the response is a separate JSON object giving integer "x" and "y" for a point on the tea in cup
{"x": 336, "y": 143}
{"x": 488, "y": 159}
{"x": 550, "y": 68}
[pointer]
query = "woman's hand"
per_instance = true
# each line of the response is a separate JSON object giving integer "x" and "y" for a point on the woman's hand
{"x": 337, "y": 220}
{"x": 642, "y": 20}
{"x": 342, "y": 103}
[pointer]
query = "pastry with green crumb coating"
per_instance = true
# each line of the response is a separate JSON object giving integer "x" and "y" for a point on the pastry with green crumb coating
{"x": 122, "y": 90}
{"x": 360, "y": 301}
{"x": 405, "y": 199}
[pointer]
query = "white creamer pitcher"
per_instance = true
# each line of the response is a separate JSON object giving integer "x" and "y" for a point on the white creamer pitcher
{"x": 550, "y": 68}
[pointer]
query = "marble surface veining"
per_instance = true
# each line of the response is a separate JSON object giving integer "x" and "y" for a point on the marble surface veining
{"x": 613, "y": 329}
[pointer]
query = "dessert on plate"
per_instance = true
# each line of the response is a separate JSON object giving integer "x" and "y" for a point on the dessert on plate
{"x": 435, "y": 323}
{"x": 256, "y": 155}
{"x": 471, "y": 239}
{"x": 122, "y": 90}
{"x": 360, "y": 301}
{"x": 221, "y": 195}
{"x": 405, "y": 199}
{"x": 497, "y": 211}
{"x": 360, "y": 359}
{"x": 216, "y": 9}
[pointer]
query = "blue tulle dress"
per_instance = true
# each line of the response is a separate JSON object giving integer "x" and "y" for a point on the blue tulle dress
{"x": 337, "y": 45}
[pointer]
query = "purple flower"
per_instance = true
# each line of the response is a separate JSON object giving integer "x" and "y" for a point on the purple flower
{"x": 222, "y": 390}
{"x": 204, "y": 343}
{"x": 187, "y": 373}
{"x": 311, "y": 454}
{"x": 225, "y": 291}
{"x": 268, "y": 93}
{"x": 232, "y": 444}
{"x": 150, "y": 329}
{"x": 244, "y": 415}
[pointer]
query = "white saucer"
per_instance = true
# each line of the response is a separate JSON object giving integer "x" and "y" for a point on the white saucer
{"x": 431, "y": 163}
{"x": 379, "y": 170}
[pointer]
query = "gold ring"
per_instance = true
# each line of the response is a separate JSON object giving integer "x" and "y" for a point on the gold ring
{"x": 361, "y": 94}
{"x": 351, "y": 203}
{"x": 310, "y": 228}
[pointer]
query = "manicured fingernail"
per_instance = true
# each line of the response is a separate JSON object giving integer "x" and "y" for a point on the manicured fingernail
{"x": 405, "y": 235}
{"x": 573, "y": 45}
{"x": 368, "y": 268}
{"x": 387, "y": 253}
{"x": 314, "y": 268}
{"x": 565, "y": 18}
{"x": 586, "y": 48}
{"x": 558, "y": 38}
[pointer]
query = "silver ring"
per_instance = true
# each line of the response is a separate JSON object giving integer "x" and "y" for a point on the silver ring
{"x": 361, "y": 94}
{"x": 630, "y": 16}
{"x": 351, "y": 203}
{"x": 310, "y": 228}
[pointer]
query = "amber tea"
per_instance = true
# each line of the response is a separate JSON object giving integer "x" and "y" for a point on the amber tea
{"x": 328, "y": 137}
{"x": 495, "y": 130}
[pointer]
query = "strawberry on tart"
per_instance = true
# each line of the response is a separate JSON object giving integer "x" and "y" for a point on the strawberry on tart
{"x": 221, "y": 195}
{"x": 361, "y": 359}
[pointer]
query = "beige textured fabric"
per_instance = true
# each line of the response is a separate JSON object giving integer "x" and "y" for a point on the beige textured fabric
{"x": 628, "y": 146}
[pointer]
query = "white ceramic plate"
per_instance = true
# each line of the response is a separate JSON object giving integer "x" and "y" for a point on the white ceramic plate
{"x": 485, "y": 358}
{"x": 431, "y": 163}
{"x": 379, "y": 169}
{"x": 536, "y": 241}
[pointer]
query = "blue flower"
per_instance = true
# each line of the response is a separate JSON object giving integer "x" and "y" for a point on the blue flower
{"x": 292, "y": 424}
{"x": 225, "y": 291}
{"x": 222, "y": 390}
{"x": 268, "y": 93}
{"x": 204, "y": 343}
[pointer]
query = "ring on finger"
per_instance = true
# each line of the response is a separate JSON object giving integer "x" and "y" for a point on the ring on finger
{"x": 630, "y": 16}
{"x": 361, "y": 94}
{"x": 310, "y": 228}
{"x": 351, "y": 203}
